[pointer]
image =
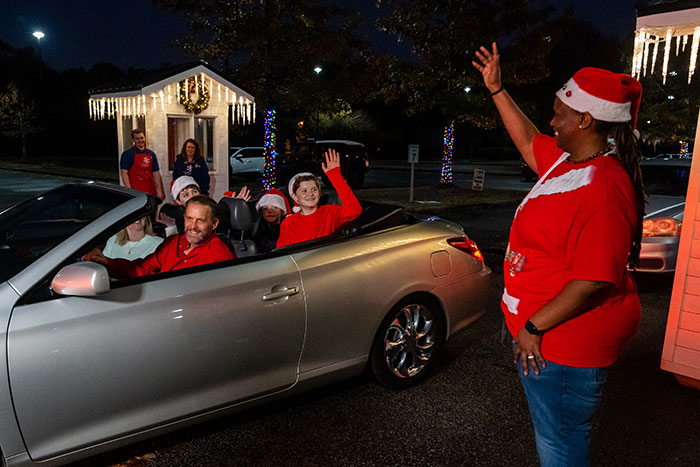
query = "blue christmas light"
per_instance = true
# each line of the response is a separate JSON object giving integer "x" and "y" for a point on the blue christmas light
{"x": 448, "y": 144}
{"x": 269, "y": 177}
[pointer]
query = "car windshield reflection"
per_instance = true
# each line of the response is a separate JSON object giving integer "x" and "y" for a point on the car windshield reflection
{"x": 32, "y": 228}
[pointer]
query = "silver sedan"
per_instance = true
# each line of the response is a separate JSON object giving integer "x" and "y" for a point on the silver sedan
{"x": 90, "y": 363}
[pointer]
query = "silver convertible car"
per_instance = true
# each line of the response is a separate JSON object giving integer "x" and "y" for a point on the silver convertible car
{"x": 90, "y": 363}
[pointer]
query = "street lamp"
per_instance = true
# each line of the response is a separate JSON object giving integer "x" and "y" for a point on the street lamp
{"x": 318, "y": 71}
{"x": 39, "y": 35}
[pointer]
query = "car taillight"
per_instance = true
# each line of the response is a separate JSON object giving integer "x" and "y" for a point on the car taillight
{"x": 663, "y": 227}
{"x": 468, "y": 246}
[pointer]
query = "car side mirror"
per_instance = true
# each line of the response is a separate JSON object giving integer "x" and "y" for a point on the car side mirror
{"x": 81, "y": 279}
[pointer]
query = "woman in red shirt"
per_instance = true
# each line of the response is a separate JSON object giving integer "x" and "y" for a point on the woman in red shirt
{"x": 569, "y": 301}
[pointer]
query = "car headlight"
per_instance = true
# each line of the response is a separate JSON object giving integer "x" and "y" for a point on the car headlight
{"x": 662, "y": 227}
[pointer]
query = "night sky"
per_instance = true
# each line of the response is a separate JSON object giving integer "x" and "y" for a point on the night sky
{"x": 134, "y": 33}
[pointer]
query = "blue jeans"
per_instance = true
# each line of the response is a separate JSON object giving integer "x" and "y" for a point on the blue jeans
{"x": 562, "y": 402}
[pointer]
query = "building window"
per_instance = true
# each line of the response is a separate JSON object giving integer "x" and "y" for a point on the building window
{"x": 204, "y": 134}
{"x": 178, "y": 132}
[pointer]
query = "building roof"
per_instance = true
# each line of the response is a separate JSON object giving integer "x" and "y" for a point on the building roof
{"x": 665, "y": 6}
{"x": 151, "y": 81}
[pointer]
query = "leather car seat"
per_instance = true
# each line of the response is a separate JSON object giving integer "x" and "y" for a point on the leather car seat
{"x": 238, "y": 221}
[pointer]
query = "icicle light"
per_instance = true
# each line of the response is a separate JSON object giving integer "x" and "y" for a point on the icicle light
{"x": 242, "y": 108}
{"x": 667, "y": 52}
{"x": 643, "y": 39}
{"x": 653, "y": 56}
{"x": 646, "y": 56}
{"x": 693, "y": 53}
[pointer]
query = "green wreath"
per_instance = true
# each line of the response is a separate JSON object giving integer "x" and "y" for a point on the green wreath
{"x": 184, "y": 97}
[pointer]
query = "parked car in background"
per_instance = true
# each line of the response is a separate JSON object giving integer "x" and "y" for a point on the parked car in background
{"x": 249, "y": 162}
{"x": 90, "y": 363}
{"x": 666, "y": 182}
{"x": 307, "y": 156}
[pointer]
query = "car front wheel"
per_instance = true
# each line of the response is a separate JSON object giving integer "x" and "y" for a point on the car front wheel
{"x": 407, "y": 343}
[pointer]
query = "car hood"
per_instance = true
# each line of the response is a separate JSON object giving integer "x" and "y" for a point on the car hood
{"x": 665, "y": 206}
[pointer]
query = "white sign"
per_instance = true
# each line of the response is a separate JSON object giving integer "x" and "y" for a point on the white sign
{"x": 412, "y": 153}
{"x": 478, "y": 180}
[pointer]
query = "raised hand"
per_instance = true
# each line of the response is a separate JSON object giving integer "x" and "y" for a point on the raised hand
{"x": 244, "y": 194}
{"x": 332, "y": 160}
{"x": 490, "y": 66}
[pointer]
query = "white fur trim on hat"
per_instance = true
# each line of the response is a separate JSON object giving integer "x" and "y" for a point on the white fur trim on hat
{"x": 270, "y": 199}
{"x": 290, "y": 188}
{"x": 181, "y": 183}
{"x": 600, "y": 109}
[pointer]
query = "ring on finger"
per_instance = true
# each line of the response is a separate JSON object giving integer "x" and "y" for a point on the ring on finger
{"x": 530, "y": 357}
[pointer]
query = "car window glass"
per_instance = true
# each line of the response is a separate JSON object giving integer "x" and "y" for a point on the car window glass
{"x": 252, "y": 153}
{"x": 666, "y": 179}
{"x": 32, "y": 228}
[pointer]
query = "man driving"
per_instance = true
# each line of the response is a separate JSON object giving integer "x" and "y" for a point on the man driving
{"x": 198, "y": 245}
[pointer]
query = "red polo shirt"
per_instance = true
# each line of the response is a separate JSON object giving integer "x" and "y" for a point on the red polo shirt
{"x": 170, "y": 256}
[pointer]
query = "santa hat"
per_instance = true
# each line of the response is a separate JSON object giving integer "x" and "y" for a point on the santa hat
{"x": 180, "y": 184}
{"x": 607, "y": 96}
{"x": 273, "y": 197}
{"x": 290, "y": 187}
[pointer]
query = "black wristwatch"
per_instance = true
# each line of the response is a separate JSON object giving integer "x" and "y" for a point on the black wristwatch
{"x": 532, "y": 329}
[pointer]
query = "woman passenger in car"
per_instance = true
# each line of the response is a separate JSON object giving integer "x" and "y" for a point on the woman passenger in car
{"x": 310, "y": 220}
{"x": 136, "y": 240}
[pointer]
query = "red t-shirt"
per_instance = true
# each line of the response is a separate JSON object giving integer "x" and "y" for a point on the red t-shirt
{"x": 324, "y": 220}
{"x": 577, "y": 225}
{"x": 170, "y": 256}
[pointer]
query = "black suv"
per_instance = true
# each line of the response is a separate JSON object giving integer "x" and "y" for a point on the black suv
{"x": 308, "y": 155}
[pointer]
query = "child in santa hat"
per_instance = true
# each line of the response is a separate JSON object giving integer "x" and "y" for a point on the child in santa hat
{"x": 182, "y": 189}
{"x": 313, "y": 221}
{"x": 273, "y": 207}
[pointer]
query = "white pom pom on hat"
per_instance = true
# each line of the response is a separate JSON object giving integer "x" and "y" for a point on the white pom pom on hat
{"x": 607, "y": 96}
{"x": 290, "y": 187}
{"x": 273, "y": 197}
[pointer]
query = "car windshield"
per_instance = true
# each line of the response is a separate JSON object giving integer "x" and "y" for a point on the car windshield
{"x": 32, "y": 228}
{"x": 666, "y": 179}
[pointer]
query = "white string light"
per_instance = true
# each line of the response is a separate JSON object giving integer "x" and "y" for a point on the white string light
{"x": 646, "y": 54}
{"x": 694, "y": 52}
{"x": 653, "y": 57}
{"x": 667, "y": 52}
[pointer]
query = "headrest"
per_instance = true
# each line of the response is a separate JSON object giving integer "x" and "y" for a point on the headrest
{"x": 238, "y": 213}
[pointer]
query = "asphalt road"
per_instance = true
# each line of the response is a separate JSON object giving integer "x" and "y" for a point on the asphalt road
{"x": 471, "y": 412}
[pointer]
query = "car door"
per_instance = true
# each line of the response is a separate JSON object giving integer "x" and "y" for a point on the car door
{"x": 253, "y": 160}
{"x": 85, "y": 370}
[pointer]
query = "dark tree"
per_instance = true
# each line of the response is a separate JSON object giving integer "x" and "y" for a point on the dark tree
{"x": 444, "y": 37}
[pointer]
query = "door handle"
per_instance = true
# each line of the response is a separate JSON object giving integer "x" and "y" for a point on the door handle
{"x": 280, "y": 291}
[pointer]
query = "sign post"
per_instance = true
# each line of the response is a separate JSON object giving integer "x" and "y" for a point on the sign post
{"x": 413, "y": 160}
{"x": 478, "y": 179}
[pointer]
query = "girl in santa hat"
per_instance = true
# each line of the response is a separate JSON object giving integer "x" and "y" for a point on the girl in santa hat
{"x": 273, "y": 207}
{"x": 569, "y": 301}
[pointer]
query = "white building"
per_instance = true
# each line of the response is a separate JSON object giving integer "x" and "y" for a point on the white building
{"x": 187, "y": 101}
